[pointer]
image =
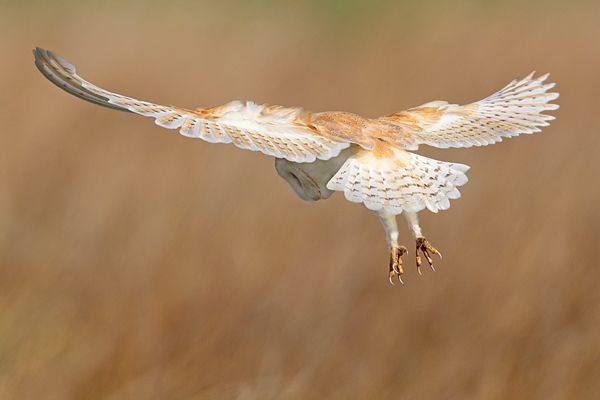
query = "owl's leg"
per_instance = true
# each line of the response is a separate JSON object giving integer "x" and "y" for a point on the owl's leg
{"x": 421, "y": 243}
{"x": 396, "y": 251}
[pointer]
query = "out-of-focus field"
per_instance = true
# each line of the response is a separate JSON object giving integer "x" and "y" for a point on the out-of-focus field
{"x": 136, "y": 263}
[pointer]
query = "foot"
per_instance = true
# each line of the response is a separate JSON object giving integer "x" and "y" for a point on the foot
{"x": 424, "y": 246}
{"x": 396, "y": 262}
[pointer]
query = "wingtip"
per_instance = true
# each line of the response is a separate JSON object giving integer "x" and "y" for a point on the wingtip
{"x": 40, "y": 53}
{"x": 38, "y": 58}
{"x": 43, "y": 56}
{"x": 544, "y": 77}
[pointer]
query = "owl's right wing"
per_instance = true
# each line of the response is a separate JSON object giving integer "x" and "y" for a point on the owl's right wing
{"x": 272, "y": 130}
{"x": 514, "y": 110}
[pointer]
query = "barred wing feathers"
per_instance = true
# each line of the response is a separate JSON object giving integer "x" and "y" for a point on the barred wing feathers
{"x": 399, "y": 181}
{"x": 272, "y": 130}
{"x": 516, "y": 109}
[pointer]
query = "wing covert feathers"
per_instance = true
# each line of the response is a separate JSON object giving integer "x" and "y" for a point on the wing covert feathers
{"x": 272, "y": 130}
{"x": 516, "y": 109}
{"x": 401, "y": 182}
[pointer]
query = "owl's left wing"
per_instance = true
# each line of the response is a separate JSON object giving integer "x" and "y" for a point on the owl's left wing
{"x": 514, "y": 110}
{"x": 273, "y": 130}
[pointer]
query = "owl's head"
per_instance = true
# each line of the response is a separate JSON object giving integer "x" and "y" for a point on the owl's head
{"x": 309, "y": 180}
{"x": 305, "y": 187}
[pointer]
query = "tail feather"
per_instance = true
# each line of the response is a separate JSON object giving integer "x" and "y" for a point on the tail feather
{"x": 382, "y": 183}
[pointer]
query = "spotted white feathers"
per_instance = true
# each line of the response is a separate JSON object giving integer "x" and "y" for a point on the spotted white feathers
{"x": 411, "y": 185}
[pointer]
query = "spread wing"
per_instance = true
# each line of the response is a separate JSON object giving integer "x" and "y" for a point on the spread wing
{"x": 514, "y": 110}
{"x": 273, "y": 130}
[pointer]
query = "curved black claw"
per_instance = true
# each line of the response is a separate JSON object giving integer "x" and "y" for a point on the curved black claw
{"x": 424, "y": 247}
{"x": 396, "y": 262}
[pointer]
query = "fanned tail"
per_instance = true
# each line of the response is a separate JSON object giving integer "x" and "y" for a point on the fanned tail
{"x": 401, "y": 182}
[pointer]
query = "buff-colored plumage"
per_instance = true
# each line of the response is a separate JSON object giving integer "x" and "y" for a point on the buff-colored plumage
{"x": 367, "y": 159}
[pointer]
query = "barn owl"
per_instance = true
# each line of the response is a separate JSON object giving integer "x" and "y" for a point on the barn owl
{"x": 370, "y": 160}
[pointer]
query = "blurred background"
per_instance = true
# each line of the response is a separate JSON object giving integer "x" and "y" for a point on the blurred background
{"x": 136, "y": 263}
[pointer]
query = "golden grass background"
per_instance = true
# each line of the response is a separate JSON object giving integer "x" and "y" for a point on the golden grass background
{"x": 139, "y": 264}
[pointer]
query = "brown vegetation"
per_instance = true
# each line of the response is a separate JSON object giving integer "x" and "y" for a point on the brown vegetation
{"x": 139, "y": 264}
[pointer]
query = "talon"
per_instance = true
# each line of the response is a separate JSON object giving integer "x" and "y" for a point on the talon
{"x": 424, "y": 247}
{"x": 428, "y": 257}
{"x": 396, "y": 262}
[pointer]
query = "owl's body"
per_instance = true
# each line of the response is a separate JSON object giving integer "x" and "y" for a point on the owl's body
{"x": 367, "y": 159}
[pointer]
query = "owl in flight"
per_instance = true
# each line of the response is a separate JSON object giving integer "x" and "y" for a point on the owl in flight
{"x": 367, "y": 159}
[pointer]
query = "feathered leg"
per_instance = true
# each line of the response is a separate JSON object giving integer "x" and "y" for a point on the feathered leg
{"x": 396, "y": 251}
{"x": 421, "y": 243}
